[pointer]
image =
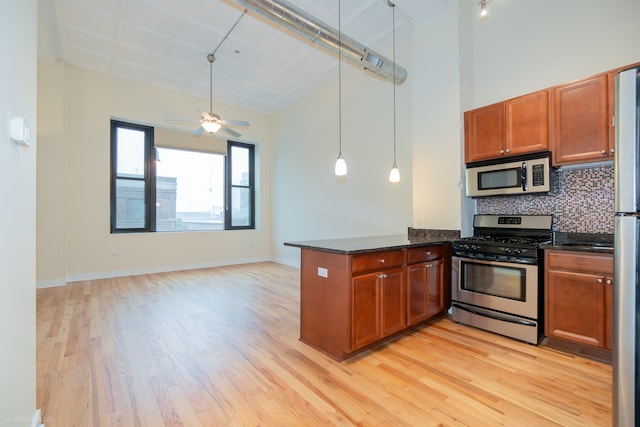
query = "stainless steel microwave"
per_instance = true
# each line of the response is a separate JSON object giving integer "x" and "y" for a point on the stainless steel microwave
{"x": 508, "y": 176}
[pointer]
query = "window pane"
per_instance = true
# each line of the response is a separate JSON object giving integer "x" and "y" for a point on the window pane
{"x": 130, "y": 205}
{"x": 240, "y": 165}
{"x": 130, "y": 152}
{"x": 189, "y": 191}
{"x": 240, "y": 207}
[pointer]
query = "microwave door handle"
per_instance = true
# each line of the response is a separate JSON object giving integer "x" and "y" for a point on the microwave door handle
{"x": 524, "y": 177}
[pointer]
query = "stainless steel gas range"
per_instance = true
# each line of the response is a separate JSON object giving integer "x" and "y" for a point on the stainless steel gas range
{"x": 497, "y": 275}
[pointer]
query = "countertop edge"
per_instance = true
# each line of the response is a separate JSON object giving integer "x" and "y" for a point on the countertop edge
{"x": 331, "y": 245}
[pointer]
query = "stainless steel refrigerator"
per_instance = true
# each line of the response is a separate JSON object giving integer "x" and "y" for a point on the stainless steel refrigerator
{"x": 626, "y": 390}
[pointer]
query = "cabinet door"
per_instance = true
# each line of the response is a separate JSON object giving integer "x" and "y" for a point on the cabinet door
{"x": 365, "y": 310}
{"x": 425, "y": 290}
{"x": 484, "y": 133}
{"x": 581, "y": 121}
{"x": 392, "y": 302}
{"x": 575, "y": 307}
{"x": 435, "y": 287}
{"x": 608, "y": 324}
{"x": 527, "y": 123}
{"x": 417, "y": 293}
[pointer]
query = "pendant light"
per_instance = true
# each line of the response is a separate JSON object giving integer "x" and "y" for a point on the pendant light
{"x": 394, "y": 175}
{"x": 341, "y": 164}
{"x": 483, "y": 8}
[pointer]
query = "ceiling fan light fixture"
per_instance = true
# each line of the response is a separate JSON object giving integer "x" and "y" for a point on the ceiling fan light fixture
{"x": 211, "y": 127}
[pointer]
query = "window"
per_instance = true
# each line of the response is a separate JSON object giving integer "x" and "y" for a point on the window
{"x": 240, "y": 210}
{"x": 166, "y": 181}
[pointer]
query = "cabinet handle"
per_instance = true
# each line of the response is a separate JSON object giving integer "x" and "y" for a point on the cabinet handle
{"x": 508, "y": 150}
{"x": 381, "y": 260}
{"x": 382, "y": 276}
{"x": 608, "y": 281}
{"x": 427, "y": 253}
{"x": 603, "y": 151}
{"x": 599, "y": 280}
{"x": 428, "y": 266}
{"x": 501, "y": 151}
{"x": 611, "y": 150}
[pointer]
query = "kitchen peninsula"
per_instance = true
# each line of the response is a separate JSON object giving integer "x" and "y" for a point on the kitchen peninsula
{"x": 357, "y": 292}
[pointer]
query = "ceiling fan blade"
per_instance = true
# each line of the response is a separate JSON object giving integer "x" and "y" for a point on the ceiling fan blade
{"x": 234, "y": 122}
{"x": 198, "y": 131}
{"x": 182, "y": 121}
{"x": 230, "y": 131}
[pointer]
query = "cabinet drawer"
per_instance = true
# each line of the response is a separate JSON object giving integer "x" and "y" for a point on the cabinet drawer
{"x": 580, "y": 261}
{"x": 376, "y": 261}
{"x": 424, "y": 253}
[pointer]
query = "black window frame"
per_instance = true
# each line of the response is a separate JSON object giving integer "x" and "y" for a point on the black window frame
{"x": 149, "y": 172}
{"x": 230, "y": 186}
{"x": 149, "y": 180}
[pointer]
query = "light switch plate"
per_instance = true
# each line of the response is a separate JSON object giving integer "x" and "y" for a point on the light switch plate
{"x": 19, "y": 131}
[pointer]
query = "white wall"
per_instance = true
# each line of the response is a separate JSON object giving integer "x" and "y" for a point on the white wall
{"x": 74, "y": 239}
{"x": 525, "y": 46}
{"x": 309, "y": 201}
{"x": 18, "y": 44}
{"x": 437, "y": 130}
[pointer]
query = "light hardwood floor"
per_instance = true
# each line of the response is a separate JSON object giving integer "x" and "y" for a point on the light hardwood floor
{"x": 219, "y": 347}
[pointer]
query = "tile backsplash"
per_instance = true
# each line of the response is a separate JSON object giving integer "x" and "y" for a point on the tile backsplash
{"x": 581, "y": 202}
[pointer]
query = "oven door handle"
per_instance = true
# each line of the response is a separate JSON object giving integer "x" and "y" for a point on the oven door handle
{"x": 493, "y": 316}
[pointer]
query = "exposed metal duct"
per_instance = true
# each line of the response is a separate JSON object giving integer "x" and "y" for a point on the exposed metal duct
{"x": 292, "y": 18}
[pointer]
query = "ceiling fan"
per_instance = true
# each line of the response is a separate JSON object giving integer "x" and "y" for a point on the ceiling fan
{"x": 209, "y": 121}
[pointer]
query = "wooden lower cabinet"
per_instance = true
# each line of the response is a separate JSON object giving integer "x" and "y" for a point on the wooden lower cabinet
{"x": 350, "y": 302}
{"x": 579, "y": 299}
{"x": 378, "y": 306}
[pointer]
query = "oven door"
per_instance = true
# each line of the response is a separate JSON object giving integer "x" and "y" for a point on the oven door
{"x": 500, "y": 286}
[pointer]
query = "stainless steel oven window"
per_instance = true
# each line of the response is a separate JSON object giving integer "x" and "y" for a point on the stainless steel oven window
{"x": 505, "y": 282}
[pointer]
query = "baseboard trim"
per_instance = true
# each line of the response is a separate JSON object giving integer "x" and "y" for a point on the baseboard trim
{"x": 138, "y": 271}
{"x": 43, "y": 284}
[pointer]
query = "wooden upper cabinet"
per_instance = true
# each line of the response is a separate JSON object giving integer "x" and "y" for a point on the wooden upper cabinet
{"x": 517, "y": 126}
{"x": 484, "y": 132}
{"x": 527, "y": 123}
{"x": 581, "y": 121}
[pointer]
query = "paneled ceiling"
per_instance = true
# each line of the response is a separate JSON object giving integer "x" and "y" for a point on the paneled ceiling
{"x": 260, "y": 66}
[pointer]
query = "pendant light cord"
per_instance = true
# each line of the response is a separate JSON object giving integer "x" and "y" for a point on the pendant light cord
{"x": 339, "y": 80}
{"x": 393, "y": 8}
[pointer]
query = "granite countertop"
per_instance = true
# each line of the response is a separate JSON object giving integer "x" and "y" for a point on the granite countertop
{"x": 581, "y": 242}
{"x": 357, "y": 245}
